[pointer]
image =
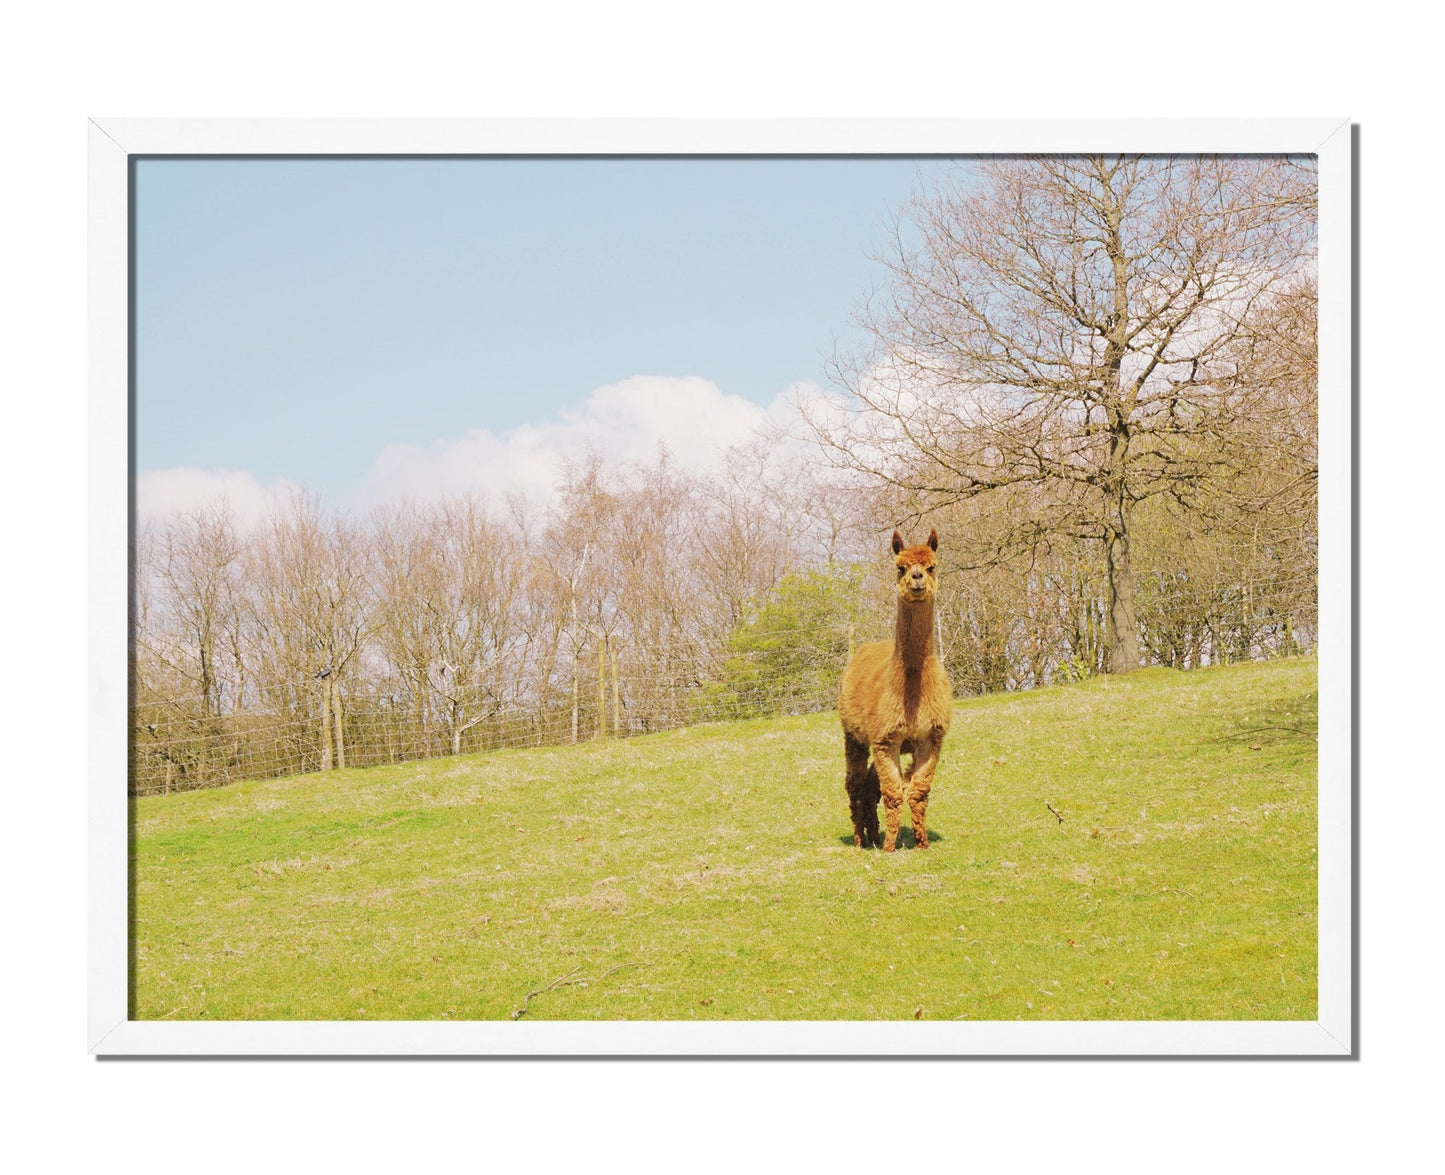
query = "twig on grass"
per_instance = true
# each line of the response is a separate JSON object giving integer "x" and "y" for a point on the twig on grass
{"x": 567, "y": 981}
{"x": 619, "y": 967}
{"x": 1050, "y": 807}
{"x": 558, "y": 982}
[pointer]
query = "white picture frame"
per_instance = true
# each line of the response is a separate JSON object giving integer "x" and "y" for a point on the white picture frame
{"x": 114, "y": 145}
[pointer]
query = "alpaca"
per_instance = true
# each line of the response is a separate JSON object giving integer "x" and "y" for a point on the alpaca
{"x": 895, "y": 699}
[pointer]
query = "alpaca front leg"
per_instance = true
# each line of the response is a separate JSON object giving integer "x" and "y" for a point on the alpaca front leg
{"x": 920, "y": 781}
{"x": 890, "y": 782}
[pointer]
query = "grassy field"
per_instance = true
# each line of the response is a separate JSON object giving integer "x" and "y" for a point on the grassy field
{"x": 710, "y": 873}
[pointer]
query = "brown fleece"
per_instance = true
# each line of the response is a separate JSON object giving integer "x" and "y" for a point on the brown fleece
{"x": 895, "y": 699}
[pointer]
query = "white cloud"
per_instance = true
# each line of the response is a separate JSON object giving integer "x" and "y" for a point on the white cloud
{"x": 163, "y": 493}
{"x": 622, "y": 422}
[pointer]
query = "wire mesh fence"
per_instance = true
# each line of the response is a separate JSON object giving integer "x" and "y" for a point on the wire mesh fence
{"x": 185, "y": 743}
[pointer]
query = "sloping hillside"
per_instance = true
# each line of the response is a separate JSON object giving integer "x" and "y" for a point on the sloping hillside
{"x": 710, "y": 873}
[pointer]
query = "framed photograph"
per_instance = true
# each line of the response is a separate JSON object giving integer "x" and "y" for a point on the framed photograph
{"x": 763, "y": 588}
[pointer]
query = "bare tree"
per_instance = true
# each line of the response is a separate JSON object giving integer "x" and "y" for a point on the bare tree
{"x": 744, "y": 535}
{"x": 1277, "y": 358}
{"x": 194, "y": 567}
{"x": 446, "y": 579}
{"x": 1071, "y": 325}
{"x": 577, "y": 558}
{"x": 1235, "y": 576}
{"x": 663, "y": 617}
{"x": 307, "y": 572}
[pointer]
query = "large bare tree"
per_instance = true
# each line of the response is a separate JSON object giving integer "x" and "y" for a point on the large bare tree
{"x": 1072, "y": 325}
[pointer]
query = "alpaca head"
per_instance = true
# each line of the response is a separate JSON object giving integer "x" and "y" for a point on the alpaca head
{"x": 917, "y": 569}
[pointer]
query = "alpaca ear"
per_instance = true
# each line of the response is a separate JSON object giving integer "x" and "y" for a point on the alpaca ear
{"x": 933, "y": 538}
{"x": 897, "y": 543}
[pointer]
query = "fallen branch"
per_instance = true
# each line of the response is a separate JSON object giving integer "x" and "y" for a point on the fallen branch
{"x": 567, "y": 981}
{"x": 1050, "y": 807}
{"x": 1277, "y": 729}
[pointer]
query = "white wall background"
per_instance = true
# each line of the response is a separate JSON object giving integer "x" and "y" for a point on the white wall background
{"x": 69, "y": 60}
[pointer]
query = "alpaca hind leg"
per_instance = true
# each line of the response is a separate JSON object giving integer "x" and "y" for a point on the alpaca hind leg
{"x": 920, "y": 783}
{"x": 890, "y": 782}
{"x": 871, "y": 835}
{"x": 856, "y": 779}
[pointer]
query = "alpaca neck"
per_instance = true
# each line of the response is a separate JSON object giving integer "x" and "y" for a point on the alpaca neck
{"x": 913, "y": 634}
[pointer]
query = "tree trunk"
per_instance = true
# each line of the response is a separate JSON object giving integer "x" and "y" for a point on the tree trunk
{"x": 210, "y": 703}
{"x": 616, "y": 695}
{"x": 1123, "y": 634}
{"x": 1247, "y": 644}
{"x": 575, "y": 664}
{"x": 1122, "y": 638}
{"x": 576, "y": 644}
{"x": 602, "y": 688}
{"x": 1123, "y": 627}
{"x": 340, "y": 729}
{"x": 326, "y": 723}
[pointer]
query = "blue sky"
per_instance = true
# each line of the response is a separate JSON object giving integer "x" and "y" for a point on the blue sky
{"x": 316, "y": 321}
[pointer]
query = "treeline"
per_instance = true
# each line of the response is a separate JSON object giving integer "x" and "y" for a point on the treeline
{"x": 644, "y": 599}
{"x": 316, "y": 638}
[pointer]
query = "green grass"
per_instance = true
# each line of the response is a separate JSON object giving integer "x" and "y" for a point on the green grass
{"x": 710, "y": 873}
